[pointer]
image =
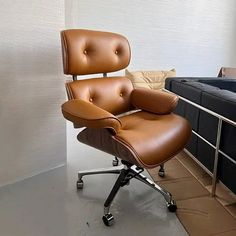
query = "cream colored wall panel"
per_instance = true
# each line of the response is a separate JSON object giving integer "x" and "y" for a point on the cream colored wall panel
{"x": 195, "y": 37}
{"x": 32, "y": 130}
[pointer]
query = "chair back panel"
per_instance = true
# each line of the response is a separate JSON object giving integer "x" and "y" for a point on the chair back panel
{"x": 110, "y": 93}
{"x": 91, "y": 52}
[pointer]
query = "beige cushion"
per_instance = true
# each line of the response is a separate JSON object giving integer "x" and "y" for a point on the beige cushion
{"x": 227, "y": 72}
{"x": 149, "y": 79}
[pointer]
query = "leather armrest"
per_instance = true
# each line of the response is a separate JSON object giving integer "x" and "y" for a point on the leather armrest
{"x": 85, "y": 114}
{"x": 154, "y": 101}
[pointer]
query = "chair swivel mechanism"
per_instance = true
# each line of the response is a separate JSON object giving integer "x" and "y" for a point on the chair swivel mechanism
{"x": 135, "y": 125}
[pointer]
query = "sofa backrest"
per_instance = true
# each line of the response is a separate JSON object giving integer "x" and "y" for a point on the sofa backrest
{"x": 227, "y": 84}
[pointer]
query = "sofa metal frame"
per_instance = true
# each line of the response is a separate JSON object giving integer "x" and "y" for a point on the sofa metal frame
{"x": 217, "y": 144}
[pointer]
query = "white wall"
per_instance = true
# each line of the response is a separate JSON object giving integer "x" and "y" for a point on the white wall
{"x": 195, "y": 37}
{"x": 32, "y": 129}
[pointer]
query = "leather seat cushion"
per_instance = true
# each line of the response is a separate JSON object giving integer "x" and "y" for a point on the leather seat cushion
{"x": 145, "y": 139}
{"x": 153, "y": 138}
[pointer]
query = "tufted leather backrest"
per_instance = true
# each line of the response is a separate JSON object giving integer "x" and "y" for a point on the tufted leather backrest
{"x": 91, "y": 52}
{"x": 111, "y": 94}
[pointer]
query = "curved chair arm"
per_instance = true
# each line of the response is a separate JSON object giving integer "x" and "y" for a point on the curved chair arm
{"x": 154, "y": 101}
{"x": 86, "y": 114}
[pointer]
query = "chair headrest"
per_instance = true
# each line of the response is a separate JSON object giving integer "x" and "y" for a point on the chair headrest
{"x": 92, "y": 52}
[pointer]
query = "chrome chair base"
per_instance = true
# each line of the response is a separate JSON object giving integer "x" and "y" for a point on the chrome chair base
{"x": 126, "y": 172}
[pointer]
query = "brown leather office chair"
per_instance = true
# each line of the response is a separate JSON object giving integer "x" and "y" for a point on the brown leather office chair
{"x": 145, "y": 137}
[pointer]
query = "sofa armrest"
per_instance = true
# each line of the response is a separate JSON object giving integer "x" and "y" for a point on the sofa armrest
{"x": 86, "y": 114}
{"x": 154, "y": 101}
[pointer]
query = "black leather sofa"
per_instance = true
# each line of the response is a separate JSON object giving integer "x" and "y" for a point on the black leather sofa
{"x": 218, "y": 95}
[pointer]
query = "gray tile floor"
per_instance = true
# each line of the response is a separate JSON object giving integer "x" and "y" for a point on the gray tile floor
{"x": 50, "y": 205}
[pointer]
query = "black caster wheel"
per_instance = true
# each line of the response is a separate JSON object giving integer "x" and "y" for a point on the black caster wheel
{"x": 108, "y": 219}
{"x": 161, "y": 173}
{"x": 115, "y": 162}
{"x": 80, "y": 184}
{"x": 172, "y": 207}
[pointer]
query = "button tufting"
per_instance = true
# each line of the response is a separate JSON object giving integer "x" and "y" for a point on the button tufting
{"x": 121, "y": 94}
{"x": 85, "y": 52}
{"x": 90, "y": 99}
{"x": 116, "y": 52}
